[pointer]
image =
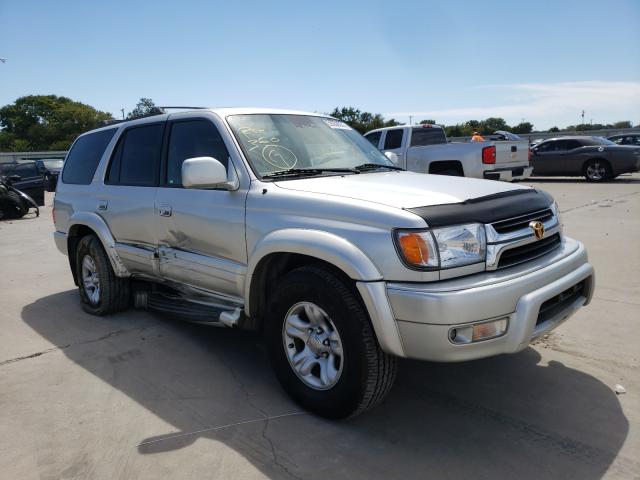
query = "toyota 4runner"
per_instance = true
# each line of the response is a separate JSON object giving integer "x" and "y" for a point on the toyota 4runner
{"x": 293, "y": 224}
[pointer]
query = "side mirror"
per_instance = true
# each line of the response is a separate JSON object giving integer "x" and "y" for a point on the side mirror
{"x": 15, "y": 178}
{"x": 207, "y": 172}
{"x": 392, "y": 156}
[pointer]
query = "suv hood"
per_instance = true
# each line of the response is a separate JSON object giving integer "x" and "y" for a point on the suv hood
{"x": 401, "y": 189}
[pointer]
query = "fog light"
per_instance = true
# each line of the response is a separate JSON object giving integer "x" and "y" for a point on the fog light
{"x": 478, "y": 331}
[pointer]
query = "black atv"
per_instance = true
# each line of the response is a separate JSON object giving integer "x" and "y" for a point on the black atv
{"x": 14, "y": 203}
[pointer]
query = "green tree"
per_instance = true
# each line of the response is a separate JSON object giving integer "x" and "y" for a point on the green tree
{"x": 427, "y": 122}
{"x": 554, "y": 130}
{"x": 622, "y": 124}
{"x": 144, "y": 108}
{"x": 492, "y": 124}
{"x": 36, "y": 122}
{"x": 523, "y": 127}
{"x": 362, "y": 121}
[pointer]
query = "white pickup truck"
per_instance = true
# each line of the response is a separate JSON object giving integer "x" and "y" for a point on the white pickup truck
{"x": 424, "y": 149}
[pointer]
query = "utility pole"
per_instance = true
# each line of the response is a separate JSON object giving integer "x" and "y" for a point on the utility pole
{"x": 583, "y": 117}
{"x": 410, "y": 120}
{"x": 122, "y": 110}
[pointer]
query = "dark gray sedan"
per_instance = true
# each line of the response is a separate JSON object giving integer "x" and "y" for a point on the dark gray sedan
{"x": 595, "y": 158}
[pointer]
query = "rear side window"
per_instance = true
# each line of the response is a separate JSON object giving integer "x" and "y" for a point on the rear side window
{"x": 374, "y": 138}
{"x": 194, "y": 138}
{"x": 84, "y": 157}
{"x": 393, "y": 139}
{"x": 136, "y": 159}
{"x": 421, "y": 137}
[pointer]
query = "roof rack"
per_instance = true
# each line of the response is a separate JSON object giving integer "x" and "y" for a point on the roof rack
{"x": 180, "y": 108}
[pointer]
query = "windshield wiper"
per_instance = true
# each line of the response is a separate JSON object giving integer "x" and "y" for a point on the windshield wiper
{"x": 375, "y": 166}
{"x": 302, "y": 172}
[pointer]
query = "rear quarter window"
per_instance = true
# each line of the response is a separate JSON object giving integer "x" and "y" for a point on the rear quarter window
{"x": 83, "y": 159}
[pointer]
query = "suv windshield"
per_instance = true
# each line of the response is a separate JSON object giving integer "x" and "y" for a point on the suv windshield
{"x": 279, "y": 142}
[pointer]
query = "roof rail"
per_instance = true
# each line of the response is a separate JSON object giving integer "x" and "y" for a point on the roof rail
{"x": 180, "y": 108}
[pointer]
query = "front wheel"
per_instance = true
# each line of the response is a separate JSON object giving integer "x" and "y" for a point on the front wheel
{"x": 322, "y": 345}
{"x": 597, "y": 171}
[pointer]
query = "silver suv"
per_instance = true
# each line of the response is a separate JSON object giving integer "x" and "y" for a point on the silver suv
{"x": 293, "y": 224}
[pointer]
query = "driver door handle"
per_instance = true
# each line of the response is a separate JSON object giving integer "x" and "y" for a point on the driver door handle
{"x": 164, "y": 210}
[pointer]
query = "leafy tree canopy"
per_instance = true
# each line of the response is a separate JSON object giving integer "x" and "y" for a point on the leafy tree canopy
{"x": 362, "y": 121}
{"x": 46, "y": 122}
{"x": 144, "y": 108}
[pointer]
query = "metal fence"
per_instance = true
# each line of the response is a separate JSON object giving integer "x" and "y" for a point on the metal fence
{"x": 12, "y": 157}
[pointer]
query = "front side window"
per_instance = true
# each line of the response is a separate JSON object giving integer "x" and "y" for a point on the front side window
{"x": 278, "y": 142}
{"x": 393, "y": 139}
{"x": 136, "y": 158}
{"x": 193, "y": 138}
{"x": 26, "y": 170}
{"x": 83, "y": 159}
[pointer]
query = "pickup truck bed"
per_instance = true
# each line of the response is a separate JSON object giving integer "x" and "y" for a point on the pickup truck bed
{"x": 425, "y": 149}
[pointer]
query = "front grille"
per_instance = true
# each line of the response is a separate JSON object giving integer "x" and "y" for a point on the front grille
{"x": 560, "y": 302}
{"x": 523, "y": 221}
{"x": 529, "y": 251}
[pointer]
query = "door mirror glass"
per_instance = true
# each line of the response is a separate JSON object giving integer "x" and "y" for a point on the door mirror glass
{"x": 204, "y": 172}
{"x": 392, "y": 156}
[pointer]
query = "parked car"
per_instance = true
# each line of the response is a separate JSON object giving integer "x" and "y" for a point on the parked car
{"x": 502, "y": 135}
{"x": 425, "y": 149}
{"x": 293, "y": 224}
{"x": 50, "y": 168}
{"x": 25, "y": 177}
{"x": 595, "y": 158}
{"x": 626, "y": 139}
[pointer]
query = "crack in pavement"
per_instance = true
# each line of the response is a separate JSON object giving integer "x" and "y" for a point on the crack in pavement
{"x": 64, "y": 347}
{"x": 592, "y": 203}
{"x": 266, "y": 418}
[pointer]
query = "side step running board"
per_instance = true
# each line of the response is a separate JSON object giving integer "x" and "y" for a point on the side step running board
{"x": 210, "y": 314}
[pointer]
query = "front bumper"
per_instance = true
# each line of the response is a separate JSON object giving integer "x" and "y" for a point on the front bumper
{"x": 424, "y": 314}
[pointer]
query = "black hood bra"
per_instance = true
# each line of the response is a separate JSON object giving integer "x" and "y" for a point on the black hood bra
{"x": 488, "y": 209}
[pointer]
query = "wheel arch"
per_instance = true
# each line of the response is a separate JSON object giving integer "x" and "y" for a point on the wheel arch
{"x": 444, "y": 165}
{"x": 283, "y": 250}
{"x": 86, "y": 223}
{"x": 599, "y": 159}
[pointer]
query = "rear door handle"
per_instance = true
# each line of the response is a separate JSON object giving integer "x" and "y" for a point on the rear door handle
{"x": 164, "y": 210}
{"x": 102, "y": 204}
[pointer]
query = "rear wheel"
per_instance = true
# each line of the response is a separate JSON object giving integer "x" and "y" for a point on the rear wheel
{"x": 322, "y": 345}
{"x": 597, "y": 171}
{"x": 101, "y": 291}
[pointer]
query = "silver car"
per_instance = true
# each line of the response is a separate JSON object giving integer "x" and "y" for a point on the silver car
{"x": 293, "y": 224}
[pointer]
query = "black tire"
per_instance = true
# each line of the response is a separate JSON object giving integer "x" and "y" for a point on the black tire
{"x": 451, "y": 173}
{"x": 597, "y": 170}
{"x": 367, "y": 372}
{"x": 16, "y": 207}
{"x": 114, "y": 292}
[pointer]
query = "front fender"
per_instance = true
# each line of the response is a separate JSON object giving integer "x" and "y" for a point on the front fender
{"x": 314, "y": 243}
{"x": 96, "y": 223}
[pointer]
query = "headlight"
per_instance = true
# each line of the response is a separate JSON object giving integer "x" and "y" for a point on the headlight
{"x": 556, "y": 213}
{"x": 446, "y": 247}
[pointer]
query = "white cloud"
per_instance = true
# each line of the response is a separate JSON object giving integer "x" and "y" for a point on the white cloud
{"x": 547, "y": 104}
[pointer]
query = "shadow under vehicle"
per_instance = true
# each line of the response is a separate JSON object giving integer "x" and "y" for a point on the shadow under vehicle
{"x": 500, "y": 417}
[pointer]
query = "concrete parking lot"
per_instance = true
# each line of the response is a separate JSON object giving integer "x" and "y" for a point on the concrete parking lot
{"x": 137, "y": 395}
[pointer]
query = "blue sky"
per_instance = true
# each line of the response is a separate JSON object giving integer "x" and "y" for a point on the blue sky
{"x": 542, "y": 61}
